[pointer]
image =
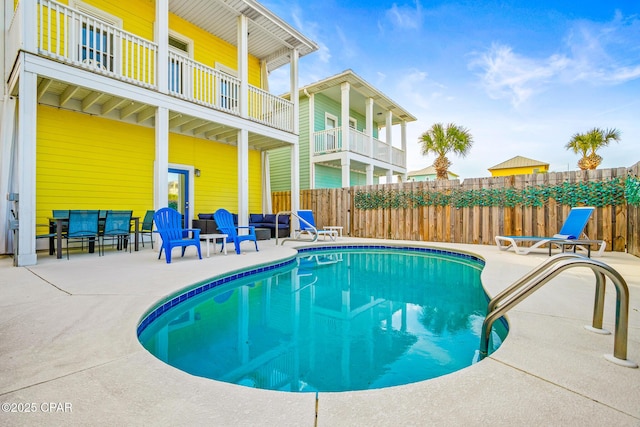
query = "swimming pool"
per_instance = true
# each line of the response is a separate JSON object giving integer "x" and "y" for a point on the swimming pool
{"x": 331, "y": 319}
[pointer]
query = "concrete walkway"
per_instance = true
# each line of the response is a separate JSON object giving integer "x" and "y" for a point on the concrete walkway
{"x": 69, "y": 353}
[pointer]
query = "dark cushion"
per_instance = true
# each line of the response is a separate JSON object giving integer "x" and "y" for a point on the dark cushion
{"x": 283, "y": 219}
{"x": 255, "y": 218}
{"x": 205, "y": 216}
{"x": 269, "y": 218}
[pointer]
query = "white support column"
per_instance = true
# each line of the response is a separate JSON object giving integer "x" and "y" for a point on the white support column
{"x": 295, "y": 148}
{"x": 312, "y": 141}
{"x": 403, "y": 136}
{"x": 294, "y": 86}
{"x": 369, "y": 169}
{"x": 7, "y": 171}
{"x": 26, "y": 165}
{"x": 4, "y": 12}
{"x": 346, "y": 171}
{"x": 243, "y": 67}
{"x": 389, "y": 176}
{"x": 295, "y": 177}
{"x": 344, "y": 117}
{"x": 369, "y": 125}
{"x": 389, "y": 130}
{"x": 161, "y": 172}
{"x": 162, "y": 39}
{"x": 29, "y": 18}
{"x": 243, "y": 177}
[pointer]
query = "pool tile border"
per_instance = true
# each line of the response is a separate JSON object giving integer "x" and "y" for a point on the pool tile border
{"x": 183, "y": 296}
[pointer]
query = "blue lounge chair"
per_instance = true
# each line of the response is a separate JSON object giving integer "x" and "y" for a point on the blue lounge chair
{"x": 308, "y": 226}
{"x": 169, "y": 225}
{"x": 224, "y": 221}
{"x": 572, "y": 229}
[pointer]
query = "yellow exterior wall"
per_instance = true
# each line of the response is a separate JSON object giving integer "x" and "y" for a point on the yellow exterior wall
{"x": 137, "y": 16}
{"x": 520, "y": 171}
{"x": 217, "y": 186}
{"x": 208, "y": 49}
{"x": 88, "y": 162}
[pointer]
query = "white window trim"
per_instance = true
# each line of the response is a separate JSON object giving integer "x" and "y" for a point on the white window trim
{"x": 184, "y": 76}
{"x": 96, "y": 13}
{"x": 225, "y": 69}
{"x": 183, "y": 39}
{"x": 354, "y": 122}
{"x": 331, "y": 116}
{"x": 105, "y": 17}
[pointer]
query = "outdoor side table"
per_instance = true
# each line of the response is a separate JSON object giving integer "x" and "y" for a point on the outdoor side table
{"x": 213, "y": 238}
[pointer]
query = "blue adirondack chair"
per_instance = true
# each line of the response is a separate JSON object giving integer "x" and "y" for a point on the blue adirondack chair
{"x": 169, "y": 226}
{"x": 224, "y": 221}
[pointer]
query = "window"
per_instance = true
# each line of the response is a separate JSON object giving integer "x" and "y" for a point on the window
{"x": 228, "y": 88}
{"x": 330, "y": 122}
{"x": 353, "y": 123}
{"x": 96, "y": 45}
{"x": 182, "y": 47}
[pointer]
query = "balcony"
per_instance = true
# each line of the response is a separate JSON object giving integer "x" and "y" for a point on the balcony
{"x": 72, "y": 37}
{"x": 331, "y": 141}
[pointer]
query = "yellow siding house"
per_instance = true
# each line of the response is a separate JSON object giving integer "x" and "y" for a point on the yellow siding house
{"x": 109, "y": 104}
{"x": 519, "y": 166}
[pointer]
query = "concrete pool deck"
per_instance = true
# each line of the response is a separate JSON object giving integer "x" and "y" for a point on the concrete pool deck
{"x": 69, "y": 352}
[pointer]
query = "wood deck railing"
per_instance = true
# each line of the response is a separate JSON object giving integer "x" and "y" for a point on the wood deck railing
{"x": 616, "y": 223}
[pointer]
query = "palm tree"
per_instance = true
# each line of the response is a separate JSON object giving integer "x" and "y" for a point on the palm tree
{"x": 588, "y": 143}
{"x": 440, "y": 140}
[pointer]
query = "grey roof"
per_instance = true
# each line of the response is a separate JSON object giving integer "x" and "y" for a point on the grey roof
{"x": 429, "y": 170}
{"x": 518, "y": 162}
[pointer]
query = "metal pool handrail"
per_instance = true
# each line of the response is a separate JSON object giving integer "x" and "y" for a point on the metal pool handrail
{"x": 542, "y": 274}
{"x": 315, "y": 235}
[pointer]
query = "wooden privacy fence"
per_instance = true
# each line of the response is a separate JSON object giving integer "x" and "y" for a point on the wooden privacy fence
{"x": 479, "y": 209}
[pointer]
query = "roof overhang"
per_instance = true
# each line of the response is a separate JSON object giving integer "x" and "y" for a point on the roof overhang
{"x": 360, "y": 90}
{"x": 270, "y": 38}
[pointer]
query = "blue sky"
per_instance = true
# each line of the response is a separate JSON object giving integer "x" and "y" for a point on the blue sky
{"x": 522, "y": 76}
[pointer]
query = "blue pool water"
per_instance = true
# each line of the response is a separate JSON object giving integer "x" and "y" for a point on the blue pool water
{"x": 328, "y": 320}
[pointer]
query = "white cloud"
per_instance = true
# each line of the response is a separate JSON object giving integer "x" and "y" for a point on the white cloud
{"x": 412, "y": 86}
{"x": 596, "y": 53}
{"x": 405, "y": 17}
{"x": 509, "y": 75}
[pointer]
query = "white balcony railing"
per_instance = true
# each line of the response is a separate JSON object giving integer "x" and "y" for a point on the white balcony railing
{"x": 330, "y": 141}
{"x": 69, "y": 35}
{"x": 74, "y": 37}
{"x": 359, "y": 142}
{"x": 196, "y": 82}
{"x": 327, "y": 141}
{"x": 269, "y": 109}
{"x": 398, "y": 157}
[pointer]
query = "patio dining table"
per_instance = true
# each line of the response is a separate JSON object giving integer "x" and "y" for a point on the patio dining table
{"x": 57, "y": 223}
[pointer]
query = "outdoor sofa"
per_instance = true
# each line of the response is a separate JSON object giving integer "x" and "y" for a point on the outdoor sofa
{"x": 207, "y": 224}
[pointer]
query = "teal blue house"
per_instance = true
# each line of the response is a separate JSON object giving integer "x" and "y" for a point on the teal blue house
{"x": 346, "y": 129}
{"x": 427, "y": 174}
